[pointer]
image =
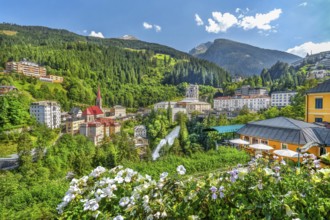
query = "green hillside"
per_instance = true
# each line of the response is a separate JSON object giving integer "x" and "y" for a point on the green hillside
{"x": 130, "y": 72}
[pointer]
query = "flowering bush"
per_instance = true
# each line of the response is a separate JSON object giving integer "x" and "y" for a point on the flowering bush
{"x": 262, "y": 189}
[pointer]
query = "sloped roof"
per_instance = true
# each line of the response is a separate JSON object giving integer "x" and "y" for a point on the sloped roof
{"x": 74, "y": 111}
{"x": 283, "y": 122}
{"x": 92, "y": 110}
{"x": 285, "y": 130}
{"x": 323, "y": 87}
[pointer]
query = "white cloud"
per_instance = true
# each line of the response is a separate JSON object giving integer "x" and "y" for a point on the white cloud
{"x": 260, "y": 21}
{"x": 237, "y": 10}
{"x": 308, "y": 47}
{"x": 85, "y": 31}
{"x": 220, "y": 22}
{"x": 96, "y": 34}
{"x": 304, "y": 4}
{"x": 157, "y": 28}
{"x": 198, "y": 20}
{"x": 146, "y": 25}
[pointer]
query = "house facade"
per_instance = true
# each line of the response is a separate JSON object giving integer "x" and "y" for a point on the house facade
{"x": 118, "y": 111}
{"x": 318, "y": 103}
{"x": 282, "y": 99}
{"x": 94, "y": 131}
{"x": 229, "y": 103}
{"x": 47, "y": 112}
{"x": 26, "y": 68}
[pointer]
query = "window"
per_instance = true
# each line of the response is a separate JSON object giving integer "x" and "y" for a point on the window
{"x": 264, "y": 142}
{"x": 284, "y": 146}
{"x": 318, "y": 119}
{"x": 319, "y": 103}
{"x": 255, "y": 140}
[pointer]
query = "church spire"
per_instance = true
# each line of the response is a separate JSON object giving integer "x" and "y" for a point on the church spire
{"x": 99, "y": 98}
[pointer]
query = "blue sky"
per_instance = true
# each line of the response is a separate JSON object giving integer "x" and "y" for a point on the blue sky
{"x": 294, "y": 25}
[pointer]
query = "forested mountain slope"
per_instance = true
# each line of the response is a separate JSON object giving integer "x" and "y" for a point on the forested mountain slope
{"x": 130, "y": 72}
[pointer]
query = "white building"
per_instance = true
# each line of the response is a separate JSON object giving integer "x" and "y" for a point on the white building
{"x": 248, "y": 91}
{"x": 118, "y": 111}
{"x": 47, "y": 112}
{"x": 164, "y": 105}
{"x": 281, "y": 99}
{"x": 254, "y": 103}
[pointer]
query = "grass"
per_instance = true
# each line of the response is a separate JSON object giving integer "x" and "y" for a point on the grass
{"x": 9, "y": 33}
{"x": 197, "y": 164}
{"x": 10, "y": 147}
{"x": 7, "y": 149}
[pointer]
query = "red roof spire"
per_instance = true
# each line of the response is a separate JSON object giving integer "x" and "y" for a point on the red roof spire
{"x": 99, "y": 93}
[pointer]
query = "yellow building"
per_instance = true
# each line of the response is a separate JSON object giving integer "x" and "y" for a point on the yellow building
{"x": 73, "y": 126}
{"x": 318, "y": 103}
{"x": 286, "y": 133}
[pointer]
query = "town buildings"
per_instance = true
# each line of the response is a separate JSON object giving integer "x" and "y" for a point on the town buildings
{"x": 140, "y": 139}
{"x": 282, "y": 98}
{"x": 188, "y": 105}
{"x": 318, "y": 103}
{"x": 32, "y": 70}
{"x": 234, "y": 103}
{"x": 72, "y": 125}
{"x": 92, "y": 122}
{"x": 317, "y": 74}
{"x": 118, "y": 111}
{"x": 248, "y": 91}
{"x": 26, "y": 68}
{"x": 287, "y": 133}
{"x": 47, "y": 112}
{"x": 164, "y": 105}
{"x": 94, "y": 131}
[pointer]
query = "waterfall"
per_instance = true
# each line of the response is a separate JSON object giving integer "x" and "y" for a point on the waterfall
{"x": 168, "y": 139}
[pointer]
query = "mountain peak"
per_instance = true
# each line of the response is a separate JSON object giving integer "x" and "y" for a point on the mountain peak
{"x": 240, "y": 58}
{"x": 128, "y": 37}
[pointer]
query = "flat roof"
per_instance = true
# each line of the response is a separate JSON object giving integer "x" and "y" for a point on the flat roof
{"x": 225, "y": 128}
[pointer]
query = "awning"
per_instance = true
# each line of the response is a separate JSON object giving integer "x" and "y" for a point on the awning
{"x": 239, "y": 141}
{"x": 261, "y": 147}
{"x": 286, "y": 153}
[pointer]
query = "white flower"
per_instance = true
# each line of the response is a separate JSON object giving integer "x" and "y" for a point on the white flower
{"x": 61, "y": 206}
{"x": 119, "y": 179}
{"x": 157, "y": 215}
{"x": 68, "y": 197}
{"x": 127, "y": 179}
{"x": 163, "y": 176}
{"x": 181, "y": 170}
{"x": 148, "y": 177}
{"x": 118, "y": 217}
{"x": 91, "y": 205}
{"x": 74, "y": 189}
{"x": 146, "y": 198}
{"x": 97, "y": 171}
{"x": 124, "y": 201}
{"x": 164, "y": 214}
{"x": 106, "y": 180}
{"x": 74, "y": 181}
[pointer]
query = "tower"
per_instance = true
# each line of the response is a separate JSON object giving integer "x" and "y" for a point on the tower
{"x": 99, "y": 99}
{"x": 192, "y": 92}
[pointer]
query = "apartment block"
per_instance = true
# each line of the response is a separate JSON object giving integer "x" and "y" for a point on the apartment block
{"x": 47, "y": 112}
